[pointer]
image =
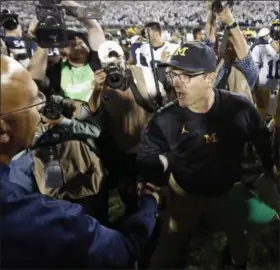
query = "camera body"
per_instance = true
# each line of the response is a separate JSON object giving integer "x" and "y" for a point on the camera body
{"x": 218, "y": 5}
{"x": 8, "y": 19}
{"x": 51, "y": 29}
{"x": 111, "y": 54}
{"x": 115, "y": 78}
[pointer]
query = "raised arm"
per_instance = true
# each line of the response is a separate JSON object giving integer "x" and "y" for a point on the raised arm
{"x": 96, "y": 34}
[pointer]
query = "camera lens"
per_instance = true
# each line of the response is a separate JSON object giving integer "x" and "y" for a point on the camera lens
{"x": 115, "y": 77}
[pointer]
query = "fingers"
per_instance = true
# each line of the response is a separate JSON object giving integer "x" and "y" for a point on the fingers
{"x": 99, "y": 71}
{"x": 44, "y": 119}
{"x": 164, "y": 56}
{"x": 100, "y": 76}
{"x": 148, "y": 188}
{"x": 47, "y": 125}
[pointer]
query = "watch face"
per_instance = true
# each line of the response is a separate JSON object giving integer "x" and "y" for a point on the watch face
{"x": 232, "y": 25}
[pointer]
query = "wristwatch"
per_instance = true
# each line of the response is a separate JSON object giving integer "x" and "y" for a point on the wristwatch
{"x": 231, "y": 26}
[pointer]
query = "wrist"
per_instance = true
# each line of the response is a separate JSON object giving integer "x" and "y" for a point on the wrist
{"x": 232, "y": 25}
{"x": 65, "y": 122}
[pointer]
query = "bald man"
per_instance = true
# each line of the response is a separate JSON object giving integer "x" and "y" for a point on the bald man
{"x": 38, "y": 232}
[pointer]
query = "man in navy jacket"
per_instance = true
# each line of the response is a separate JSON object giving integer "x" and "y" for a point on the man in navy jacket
{"x": 39, "y": 232}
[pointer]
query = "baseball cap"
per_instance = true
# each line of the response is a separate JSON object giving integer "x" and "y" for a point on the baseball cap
{"x": 263, "y": 32}
{"x": 193, "y": 57}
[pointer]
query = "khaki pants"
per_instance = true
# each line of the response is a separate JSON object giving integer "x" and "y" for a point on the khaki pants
{"x": 184, "y": 212}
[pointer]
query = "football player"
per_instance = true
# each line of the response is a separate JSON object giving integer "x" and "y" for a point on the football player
{"x": 267, "y": 91}
{"x": 19, "y": 46}
{"x": 161, "y": 49}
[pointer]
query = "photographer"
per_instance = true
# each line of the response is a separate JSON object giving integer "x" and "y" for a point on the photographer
{"x": 125, "y": 120}
{"x": 237, "y": 71}
{"x": 74, "y": 77}
{"x": 266, "y": 57}
{"x": 18, "y": 46}
{"x": 79, "y": 162}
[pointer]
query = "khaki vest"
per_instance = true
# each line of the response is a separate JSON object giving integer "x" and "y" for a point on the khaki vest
{"x": 82, "y": 170}
{"x": 237, "y": 82}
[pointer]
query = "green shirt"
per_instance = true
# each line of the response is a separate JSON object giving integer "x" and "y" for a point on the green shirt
{"x": 77, "y": 82}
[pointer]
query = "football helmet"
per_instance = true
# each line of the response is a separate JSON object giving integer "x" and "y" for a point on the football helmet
{"x": 275, "y": 29}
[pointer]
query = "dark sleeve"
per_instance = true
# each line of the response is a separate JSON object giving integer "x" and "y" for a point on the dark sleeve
{"x": 94, "y": 61}
{"x": 120, "y": 249}
{"x": 62, "y": 228}
{"x": 248, "y": 68}
{"x": 259, "y": 135}
{"x": 53, "y": 73}
{"x": 69, "y": 129}
{"x": 152, "y": 145}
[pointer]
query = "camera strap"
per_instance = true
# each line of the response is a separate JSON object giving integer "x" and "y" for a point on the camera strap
{"x": 224, "y": 44}
{"x": 223, "y": 84}
{"x": 159, "y": 99}
{"x": 140, "y": 100}
{"x": 53, "y": 171}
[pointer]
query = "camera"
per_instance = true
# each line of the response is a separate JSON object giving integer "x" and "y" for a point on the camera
{"x": 218, "y": 5}
{"x": 110, "y": 54}
{"x": 51, "y": 29}
{"x": 115, "y": 75}
{"x": 52, "y": 109}
{"x": 8, "y": 19}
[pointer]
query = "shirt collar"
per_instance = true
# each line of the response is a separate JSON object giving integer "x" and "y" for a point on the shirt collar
{"x": 71, "y": 66}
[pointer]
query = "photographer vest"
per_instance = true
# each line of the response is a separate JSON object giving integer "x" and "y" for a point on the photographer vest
{"x": 126, "y": 119}
{"x": 83, "y": 179}
{"x": 77, "y": 82}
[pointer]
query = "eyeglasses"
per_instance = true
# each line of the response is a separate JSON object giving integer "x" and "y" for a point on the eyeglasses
{"x": 39, "y": 102}
{"x": 183, "y": 77}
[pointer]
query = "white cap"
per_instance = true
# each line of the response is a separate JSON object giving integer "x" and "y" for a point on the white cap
{"x": 189, "y": 37}
{"x": 263, "y": 32}
{"x": 106, "y": 47}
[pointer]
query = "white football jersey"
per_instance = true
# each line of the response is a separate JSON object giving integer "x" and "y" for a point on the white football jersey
{"x": 145, "y": 52}
{"x": 266, "y": 57}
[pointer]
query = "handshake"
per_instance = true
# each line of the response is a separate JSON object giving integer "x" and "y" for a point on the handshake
{"x": 148, "y": 189}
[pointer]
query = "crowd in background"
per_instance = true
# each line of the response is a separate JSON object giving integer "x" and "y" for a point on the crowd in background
{"x": 111, "y": 153}
{"x": 169, "y": 13}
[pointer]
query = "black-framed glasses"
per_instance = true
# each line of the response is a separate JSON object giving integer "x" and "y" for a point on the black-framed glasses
{"x": 39, "y": 102}
{"x": 184, "y": 77}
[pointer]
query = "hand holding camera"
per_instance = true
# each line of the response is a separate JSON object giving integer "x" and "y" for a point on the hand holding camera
{"x": 50, "y": 123}
{"x": 218, "y": 6}
{"x": 32, "y": 27}
{"x": 56, "y": 109}
{"x": 100, "y": 77}
{"x": 225, "y": 17}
